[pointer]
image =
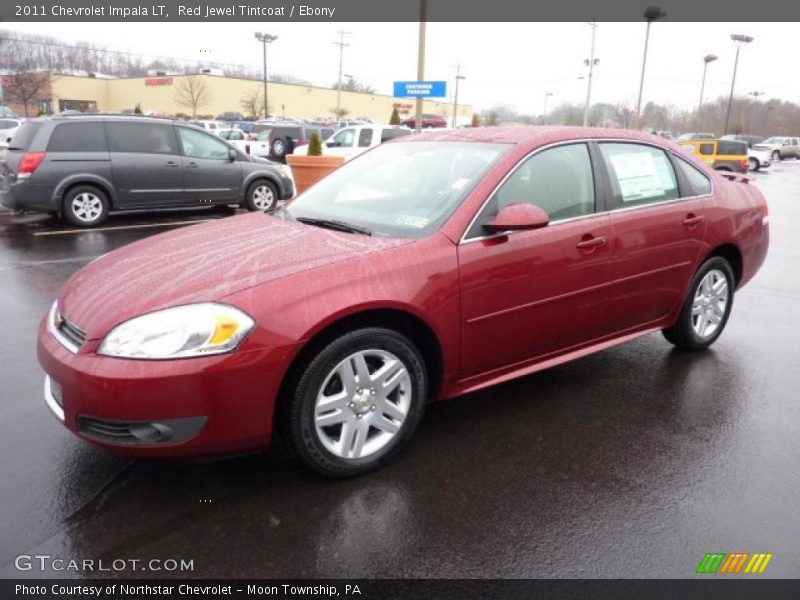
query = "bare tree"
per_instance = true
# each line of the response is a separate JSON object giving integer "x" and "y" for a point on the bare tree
{"x": 253, "y": 102}
{"x": 192, "y": 92}
{"x": 27, "y": 88}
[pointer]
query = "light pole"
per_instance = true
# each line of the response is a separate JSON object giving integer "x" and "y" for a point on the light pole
{"x": 706, "y": 59}
{"x": 590, "y": 63}
{"x": 265, "y": 38}
{"x": 740, "y": 41}
{"x": 341, "y": 43}
{"x": 423, "y": 15}
{"x": 455, "y": 98}
{"x": 544, "y": 111}
{"x": 651, "y": 14}
{"x": 755, "y": 96}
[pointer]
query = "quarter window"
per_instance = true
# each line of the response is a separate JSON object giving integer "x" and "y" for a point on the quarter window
{"x": 699, "y": 184}
{"x": 145, "y": 138}
{"x": 639, "y": 174}
{"x": 78, "y": 137}
{"x": 197, "y": 144}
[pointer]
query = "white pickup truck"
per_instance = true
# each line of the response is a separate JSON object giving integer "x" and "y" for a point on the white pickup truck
{"x": 352, "y": 141}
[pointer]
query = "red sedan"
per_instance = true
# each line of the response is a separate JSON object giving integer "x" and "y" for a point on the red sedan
{"x": 429, "y": 267}
{"x": 428, "y": 122}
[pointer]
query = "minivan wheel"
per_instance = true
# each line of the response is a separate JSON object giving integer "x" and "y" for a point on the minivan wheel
{"x": 85, "y": 206}
{"x": 706, "y": 308}
{"x": 357, "y": 402}
{"x": 261, "y": 195}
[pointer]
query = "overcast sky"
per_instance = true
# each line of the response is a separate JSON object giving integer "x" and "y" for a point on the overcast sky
{"x": 505, "y": 63}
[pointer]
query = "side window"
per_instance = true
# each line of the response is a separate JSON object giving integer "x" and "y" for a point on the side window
{"x": 639, "y": 174}
{"x": 699, "y": 184}
{"x": 365, "y": 138}
{"x": 78, "y": 137}
{"x": 344, "y": 138}
{"x": 197, "y": 144}
{"x": 732, "y": 148}
{"x": 390, "y": 134}
{"x": 706, "y": 149}
{"x": 146, "y": 138}
{"x": 212, "y": 125}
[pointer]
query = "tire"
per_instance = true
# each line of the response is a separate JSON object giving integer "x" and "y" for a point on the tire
{"x": 261, "y": 195}
{"x": 754, "y": 164}
{"x": 689, "y": 332}
{"x": 357, "y": 429}
{"x": 278, "y": 148}
{"x": 776, "y": 156}
{"x": 85, "y": 206}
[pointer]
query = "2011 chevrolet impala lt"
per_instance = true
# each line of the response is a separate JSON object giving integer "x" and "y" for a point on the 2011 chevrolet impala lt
{"x": 431, "y": 266}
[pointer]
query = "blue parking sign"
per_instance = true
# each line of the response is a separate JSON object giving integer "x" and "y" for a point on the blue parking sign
{"x": 420, "y": 89}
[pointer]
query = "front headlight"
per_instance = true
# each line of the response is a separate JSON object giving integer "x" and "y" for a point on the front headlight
{"x": 179, "y": 332}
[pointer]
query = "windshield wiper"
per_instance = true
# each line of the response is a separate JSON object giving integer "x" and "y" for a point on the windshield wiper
{"x": 334, "y": 224}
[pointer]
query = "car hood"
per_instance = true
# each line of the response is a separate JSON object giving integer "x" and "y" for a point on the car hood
{"x": 763, "y": 146}
{"x": 202, "y": 263}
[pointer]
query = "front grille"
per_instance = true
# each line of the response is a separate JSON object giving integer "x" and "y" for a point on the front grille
{"x": 164, "y": 431}
{"x": 72, "y": 333}
{"x": 57, "y": 393}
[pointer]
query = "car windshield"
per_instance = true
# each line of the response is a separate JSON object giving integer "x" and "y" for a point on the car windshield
{"x": 400, "y": 189}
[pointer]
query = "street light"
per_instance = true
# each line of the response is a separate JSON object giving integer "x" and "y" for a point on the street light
{"x": 459, "y": 76}
{"x": 740, "y": 41}
{"x": 544, "y": 111}
{"x": 342, "y": 45}
{"x": 591, "y": 62}
{"x": 708, "y": 58}
{"x": 652, "y": 13}
{"x": 265, "y": 38}
{"x": 755, "y": 95}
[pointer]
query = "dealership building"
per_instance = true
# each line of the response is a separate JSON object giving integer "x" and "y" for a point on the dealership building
{"x": 162, "y": 94}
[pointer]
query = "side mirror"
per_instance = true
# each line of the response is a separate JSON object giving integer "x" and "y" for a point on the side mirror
{"x": 330, "y": 144}
{"x": 232, "y": 154}
{"x": 518, "y": 217}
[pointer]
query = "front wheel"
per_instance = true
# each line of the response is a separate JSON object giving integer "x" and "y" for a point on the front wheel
{"x": 357, "y": 402}
{"x": 776, "y": 156}
{"x": 261, "y": 195}
{"x": 706, "y": 308}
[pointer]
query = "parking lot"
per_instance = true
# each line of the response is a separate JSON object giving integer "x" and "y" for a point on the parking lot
{"x": 630, "y": 463}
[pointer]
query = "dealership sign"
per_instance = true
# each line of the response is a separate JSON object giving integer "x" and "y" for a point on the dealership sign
{"x": 158, "y": 81}
{"x": 420, "y": 89}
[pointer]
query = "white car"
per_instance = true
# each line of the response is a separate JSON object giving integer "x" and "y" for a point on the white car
{"x": 210, "y": 125}
{"x": 236, "y": 138}
{"x": 759, "y": 159}
{"x": 8, "y": 127}
{"x": 352, "y": 141}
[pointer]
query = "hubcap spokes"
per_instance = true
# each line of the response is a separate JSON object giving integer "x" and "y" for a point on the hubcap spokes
{"x": 262, "y": 197}
{"x": 362, "y": 404}
{"x": 710, "y": 303}
{"x": 87, "y": 207}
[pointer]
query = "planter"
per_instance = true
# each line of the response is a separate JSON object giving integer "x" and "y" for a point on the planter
{"x": 308, "y": 170}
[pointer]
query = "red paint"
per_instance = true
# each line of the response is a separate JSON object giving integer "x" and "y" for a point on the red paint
{"x": 499, "y": 307}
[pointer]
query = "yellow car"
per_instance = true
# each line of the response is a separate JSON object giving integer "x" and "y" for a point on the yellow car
{"x": 722, "y": 155}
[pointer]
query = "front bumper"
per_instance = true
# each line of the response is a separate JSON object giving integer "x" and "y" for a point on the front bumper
{"x": 202, "y": 406}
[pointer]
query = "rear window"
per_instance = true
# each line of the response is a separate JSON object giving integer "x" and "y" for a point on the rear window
{"x": 21, "y": 140}
{"x": 732, "y": 148}
{"x": 78, "y": 137}
{"x": 145, "y": 138}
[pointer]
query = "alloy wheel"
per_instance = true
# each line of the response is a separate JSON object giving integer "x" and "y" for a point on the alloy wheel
{"x": 87, "y": 207}
{"x": 263, "y": 198}
{"x": 710, "y": 302}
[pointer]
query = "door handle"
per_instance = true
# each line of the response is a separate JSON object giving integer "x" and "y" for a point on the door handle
{"x": 692, "y": 220}
{"x": 171, "y": 163}
{"x": 591, "y": 242}
{"x": 192, "y": 165}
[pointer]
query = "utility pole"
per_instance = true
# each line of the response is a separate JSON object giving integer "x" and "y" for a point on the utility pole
{"x": 755, "y": 96}
{"x": 455, "y": 98}
{"x": 341, "y": 43}
{"x": 423, "y": 10}
{"x": 544, "y": 112}
{"x": 590, "y": 63}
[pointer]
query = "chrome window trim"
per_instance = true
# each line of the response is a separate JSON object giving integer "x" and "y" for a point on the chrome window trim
{"x": 56, "y": 333}
{"x": 50, "y": 400}
{"x": 668, "y": 151}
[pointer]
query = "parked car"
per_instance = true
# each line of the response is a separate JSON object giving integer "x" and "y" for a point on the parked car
{"x": 210, "y": 125}
{"x": 229, "y": 116}
{"x": 280, "y": 140}
{"x": 748, "y": 139}
{"x": 7, "y": 113}
{"x": 428, "y": 121}
{"x": 236, "y": 138}
{"x": 780, "y": 147}
{"x": 695, "y": 136}
{"x": 246, "y": 126}
{"x": 352, "y": 141}
{"x": 338, "y": 317}
{"x": 720, "y": 155}
{"x": 8, "y": 127}
{"x": 759, "y": 159}
{"x": 81, "y": 168}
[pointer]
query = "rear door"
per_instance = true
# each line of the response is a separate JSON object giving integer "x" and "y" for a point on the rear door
{"x": 146, "y": 164}
{"x": 210, "y": 176}
{"x": 658, "y": 231}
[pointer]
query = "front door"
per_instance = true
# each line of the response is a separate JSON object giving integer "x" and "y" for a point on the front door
{"x": 536, "y": 293}
{"x": 210, "y": 176}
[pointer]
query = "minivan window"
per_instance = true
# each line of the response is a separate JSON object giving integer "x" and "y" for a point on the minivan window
{"x": 699, "y": 184}
{"x": 639, "y": 174}
{"x": 144, "y": 138}
{"x": 197, "y": 144}
{"x": 78, "y": 137}
{"x": 24, "y": 135}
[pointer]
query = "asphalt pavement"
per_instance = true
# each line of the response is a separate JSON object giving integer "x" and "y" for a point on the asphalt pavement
{"x": 634, "y": 462}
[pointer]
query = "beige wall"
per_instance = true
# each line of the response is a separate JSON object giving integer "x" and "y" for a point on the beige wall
{"x": 226, "y": 93}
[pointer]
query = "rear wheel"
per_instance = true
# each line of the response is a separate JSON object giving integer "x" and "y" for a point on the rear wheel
{"x": 85, "y": 206}
{"x": 776, "y": 156}
{"x": 707, "y": 307}
{"x": 261, "y": 195}
{"x": 357, "y": 402}
{"x": 278, "y": 148}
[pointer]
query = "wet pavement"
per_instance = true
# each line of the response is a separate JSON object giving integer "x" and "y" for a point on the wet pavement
{"x": 630, "y": 463}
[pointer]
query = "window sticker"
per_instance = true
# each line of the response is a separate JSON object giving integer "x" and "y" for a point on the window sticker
{"x": 412, "y": 221}
{"x": 638, "y": 175}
